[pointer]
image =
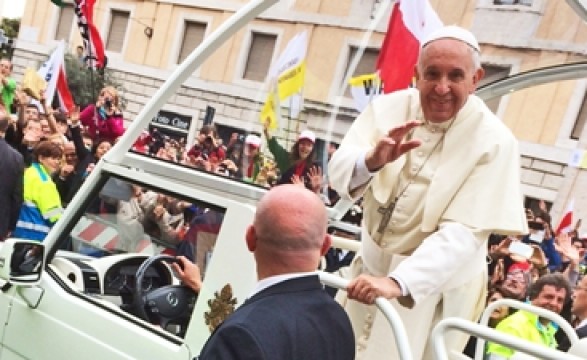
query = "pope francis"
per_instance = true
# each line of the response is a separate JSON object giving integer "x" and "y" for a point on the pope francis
{"x": 438, "y": 172}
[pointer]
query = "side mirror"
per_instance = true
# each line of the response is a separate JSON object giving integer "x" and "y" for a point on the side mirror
{"x": 21, "y": 261}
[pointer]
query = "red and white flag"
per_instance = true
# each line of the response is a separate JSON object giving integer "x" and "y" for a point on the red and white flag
{"x": 53, "y": 71}
{"x": 411, "y": 21}
{"x": 93, "y": 45}
{"x": 566, "y": 223}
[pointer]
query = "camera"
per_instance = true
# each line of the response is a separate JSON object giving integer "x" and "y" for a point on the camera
{"x": 108, "y": 103}
{"x": 535, "y": 225}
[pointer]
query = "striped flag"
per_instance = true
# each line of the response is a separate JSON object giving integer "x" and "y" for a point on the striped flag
{"x": 410, "y": 22}
{"x": 93, "y": 45}
{"x": 53, "y": 71}
{"x": 566, "y": 223}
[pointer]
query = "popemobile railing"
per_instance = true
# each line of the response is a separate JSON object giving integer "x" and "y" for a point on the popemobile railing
{"x": 483, "y": 332}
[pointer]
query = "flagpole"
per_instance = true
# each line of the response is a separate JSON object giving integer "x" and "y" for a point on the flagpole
{"x": 90, "y": 57}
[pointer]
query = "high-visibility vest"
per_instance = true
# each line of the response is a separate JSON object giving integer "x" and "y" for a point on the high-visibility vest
{"x": 41, "y": 207}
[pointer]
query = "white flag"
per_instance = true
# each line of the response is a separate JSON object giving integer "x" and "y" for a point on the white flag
{"x": 289, "y": 72}
{"x": 50, "y": 70}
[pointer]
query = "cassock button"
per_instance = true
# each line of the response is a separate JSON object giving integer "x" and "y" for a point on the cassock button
{"x": 384, "y": 244}
{"x": 420, "y": 153}
{"x": 393, "y": 222}
{"x": 414, "y": 168}
{"x": 426, "y": 139}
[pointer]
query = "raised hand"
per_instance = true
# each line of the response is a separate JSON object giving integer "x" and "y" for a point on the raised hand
{"x": 566, "y": 248}
{"x": 315, "y": 176}
{"x": 392, "y": 146}
{"x": 74, "y": 115}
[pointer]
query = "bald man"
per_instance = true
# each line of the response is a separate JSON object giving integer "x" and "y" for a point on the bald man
{"x": 288, "y": 315}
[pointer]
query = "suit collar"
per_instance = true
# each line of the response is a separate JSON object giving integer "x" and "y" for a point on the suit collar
{"x": 303, "y": 283}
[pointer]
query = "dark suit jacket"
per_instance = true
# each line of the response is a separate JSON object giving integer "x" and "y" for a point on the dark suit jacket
{"x": 11, "y": 187}
{"x": 582, "y": 332}
{"x": 294, "y": 319}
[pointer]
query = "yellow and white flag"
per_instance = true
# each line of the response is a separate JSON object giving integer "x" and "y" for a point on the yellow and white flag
{"x": 364, "y": 89}
{"x": 289, "y": 72}
{"x": 268, "y": 110}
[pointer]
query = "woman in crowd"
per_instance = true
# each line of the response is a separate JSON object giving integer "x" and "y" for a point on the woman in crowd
{"x": 42, "y": 205}
{"x": 297, "y": 166}
{"x": 104, "y": 119}
{"x": 244, "y": 161}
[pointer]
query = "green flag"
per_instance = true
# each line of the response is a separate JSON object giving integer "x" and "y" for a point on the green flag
{"x": 59, "y": 3}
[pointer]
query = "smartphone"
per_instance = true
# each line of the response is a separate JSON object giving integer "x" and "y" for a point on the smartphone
{"x": 521, "y": 249}
{"x": 537, "y": 236}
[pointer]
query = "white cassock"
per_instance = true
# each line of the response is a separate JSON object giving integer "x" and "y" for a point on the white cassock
{"x": 459, "y": 186}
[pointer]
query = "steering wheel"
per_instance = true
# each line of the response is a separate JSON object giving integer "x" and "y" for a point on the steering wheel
{"x": 171, "y": 304}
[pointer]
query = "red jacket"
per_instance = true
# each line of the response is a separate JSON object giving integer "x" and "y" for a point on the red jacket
{"x": 104, "y": 129}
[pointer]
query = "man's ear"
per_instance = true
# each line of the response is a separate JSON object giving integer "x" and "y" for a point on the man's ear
{"x": 479, "y": 74}
{"x": 251, "y": 238}
{"x": 326, "y": 244}
{"x": 416, "y": 72}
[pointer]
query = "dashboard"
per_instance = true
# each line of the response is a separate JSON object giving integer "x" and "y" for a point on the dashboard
{"x": 108, "y": 276}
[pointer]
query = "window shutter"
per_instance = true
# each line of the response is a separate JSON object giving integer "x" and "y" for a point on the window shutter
{"x": 65, "y": 22}
{"x": 193, "y": 35}
{"x": 365, "y": 66}
{"x": 260, "y": 55}
{"x": 117, "y": 31}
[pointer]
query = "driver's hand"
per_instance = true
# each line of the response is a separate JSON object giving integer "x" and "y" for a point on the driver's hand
{"x": 188, "y": 273}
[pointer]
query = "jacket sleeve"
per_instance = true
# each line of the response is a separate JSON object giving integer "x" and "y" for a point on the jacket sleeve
{"x": 17, "y": 194}
{"x": 116, "y": 125}
{"x": 49, "y": 203}
{"x": 87, "y": 115}
{"x": 279, "y": 153}
{"x": 78, "y": 141}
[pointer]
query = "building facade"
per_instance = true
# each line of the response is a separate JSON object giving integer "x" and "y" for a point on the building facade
{"x": 146, "y": 40}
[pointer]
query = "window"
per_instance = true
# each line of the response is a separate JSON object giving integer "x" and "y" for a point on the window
{"x": 64, "y": 22}
{"x": 580, "y": 122}
{"x": 193, "y": 35}
{"x": 512, "y": 2}
{"x": 117, "y": 31}
{"x": 365, "y": 66}
{"x": 493, "y": 73}
{"x": 260, "y": 55}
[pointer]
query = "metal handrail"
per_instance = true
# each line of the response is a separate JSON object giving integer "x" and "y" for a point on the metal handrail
{"x": 345, "y": 244}
{"x": 480, "y": 331}
{"x": 399, "y": 331}
{"x": 559, "y": 320}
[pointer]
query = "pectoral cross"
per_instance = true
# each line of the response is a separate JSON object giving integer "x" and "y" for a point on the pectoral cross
{"x": 386, "y": 213}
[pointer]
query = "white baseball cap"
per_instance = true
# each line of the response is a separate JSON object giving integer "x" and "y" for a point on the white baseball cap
{"x": 253, "y": 140}
{"x": 453, "y": 32}
{"x": 307, "y": 134}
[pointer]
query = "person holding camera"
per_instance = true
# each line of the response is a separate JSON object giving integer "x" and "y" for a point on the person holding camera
{"x": 104, "y": 119}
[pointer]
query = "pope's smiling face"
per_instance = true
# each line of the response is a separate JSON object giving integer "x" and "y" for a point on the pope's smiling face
{"x": 446, "y": 75}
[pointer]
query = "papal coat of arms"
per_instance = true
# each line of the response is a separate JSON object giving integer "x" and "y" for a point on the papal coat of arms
{"x": 220, "y": 307}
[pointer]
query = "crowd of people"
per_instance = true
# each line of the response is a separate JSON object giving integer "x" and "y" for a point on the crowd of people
{"x": 439, "y": 230}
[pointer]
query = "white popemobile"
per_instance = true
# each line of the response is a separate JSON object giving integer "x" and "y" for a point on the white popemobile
{"x": 112, "y": 295}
